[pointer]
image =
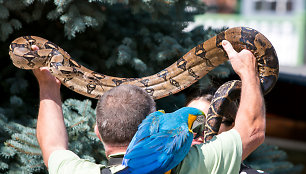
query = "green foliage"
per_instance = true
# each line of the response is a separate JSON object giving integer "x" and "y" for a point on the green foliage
{"x": 21, "y": 150}
{"x": 80, "y": 121}
{"x": 75, "y": 15}
{"x": 128, "y": 39}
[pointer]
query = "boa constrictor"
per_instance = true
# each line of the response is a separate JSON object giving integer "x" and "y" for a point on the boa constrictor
{"x": 185, "y": 71}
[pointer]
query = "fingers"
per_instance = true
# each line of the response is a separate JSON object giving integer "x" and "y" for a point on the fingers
{"x": 229, "y": 49}
{"x": 246, "y": 52}
{"x": 44, "y": 76}
{"x": 231, "y": 52}
{"x": 34, "y": 47}
{"x": 38, "y": 71}
{"x": 243, "y": 63}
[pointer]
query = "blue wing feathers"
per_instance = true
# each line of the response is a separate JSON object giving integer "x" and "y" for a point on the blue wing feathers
{"x": 144, "y": 129}
{"x": 161, "y": 142}
{"x": 145, "y": 160}
{"x": 126, "y": 170}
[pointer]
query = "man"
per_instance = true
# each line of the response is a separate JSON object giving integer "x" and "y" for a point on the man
{"x": 119, "y": 112}
{"x": 221, "y": 155}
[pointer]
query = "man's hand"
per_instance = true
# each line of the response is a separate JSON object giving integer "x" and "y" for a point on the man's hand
{"x": 244, "y": 63}
{"x": 46, "y": 79}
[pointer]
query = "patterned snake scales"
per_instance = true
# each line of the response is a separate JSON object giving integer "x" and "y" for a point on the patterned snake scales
{"x": 187, "y": 70}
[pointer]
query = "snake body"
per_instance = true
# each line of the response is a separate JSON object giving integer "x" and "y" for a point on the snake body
{"x": 181, "y": 74}
{"x": 225, "y": 94}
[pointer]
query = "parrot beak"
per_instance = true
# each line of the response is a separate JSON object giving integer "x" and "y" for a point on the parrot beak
{"x": 200, "y": 120}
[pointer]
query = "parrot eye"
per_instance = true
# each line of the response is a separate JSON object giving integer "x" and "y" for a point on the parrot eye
{"x": 201, "y": 118}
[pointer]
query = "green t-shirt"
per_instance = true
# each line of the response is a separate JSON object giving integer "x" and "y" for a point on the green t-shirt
{"x": 65, "y": 161}
{"x": 221, "y": 155}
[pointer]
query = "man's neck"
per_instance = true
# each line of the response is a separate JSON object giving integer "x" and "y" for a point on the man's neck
{"x": 111, "y": 150}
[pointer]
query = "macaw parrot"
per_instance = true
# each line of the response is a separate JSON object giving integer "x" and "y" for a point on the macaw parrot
{"x": 162, "y": 141}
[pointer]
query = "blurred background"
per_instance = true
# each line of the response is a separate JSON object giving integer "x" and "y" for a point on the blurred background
{"x": 137, "y": 38}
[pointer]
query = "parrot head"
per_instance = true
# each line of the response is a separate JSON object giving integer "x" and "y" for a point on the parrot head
{"x": 195, "y": 116}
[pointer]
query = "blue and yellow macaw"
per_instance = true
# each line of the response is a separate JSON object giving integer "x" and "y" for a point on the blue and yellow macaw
{"x": 162, "y": 141}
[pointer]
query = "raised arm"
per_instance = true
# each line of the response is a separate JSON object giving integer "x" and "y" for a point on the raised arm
{"x": 51, "y": 130}
{"x": 250, "y": 119}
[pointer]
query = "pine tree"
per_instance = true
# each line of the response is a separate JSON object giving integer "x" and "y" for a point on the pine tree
{"x": 21, "y": 152}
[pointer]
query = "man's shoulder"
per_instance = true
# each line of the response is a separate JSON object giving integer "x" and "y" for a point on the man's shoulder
{"x": 65, "y": 161}
{"x": 224, "y": 151}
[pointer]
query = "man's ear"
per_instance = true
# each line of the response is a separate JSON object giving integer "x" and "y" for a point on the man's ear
{"x": 97, "y": 132}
